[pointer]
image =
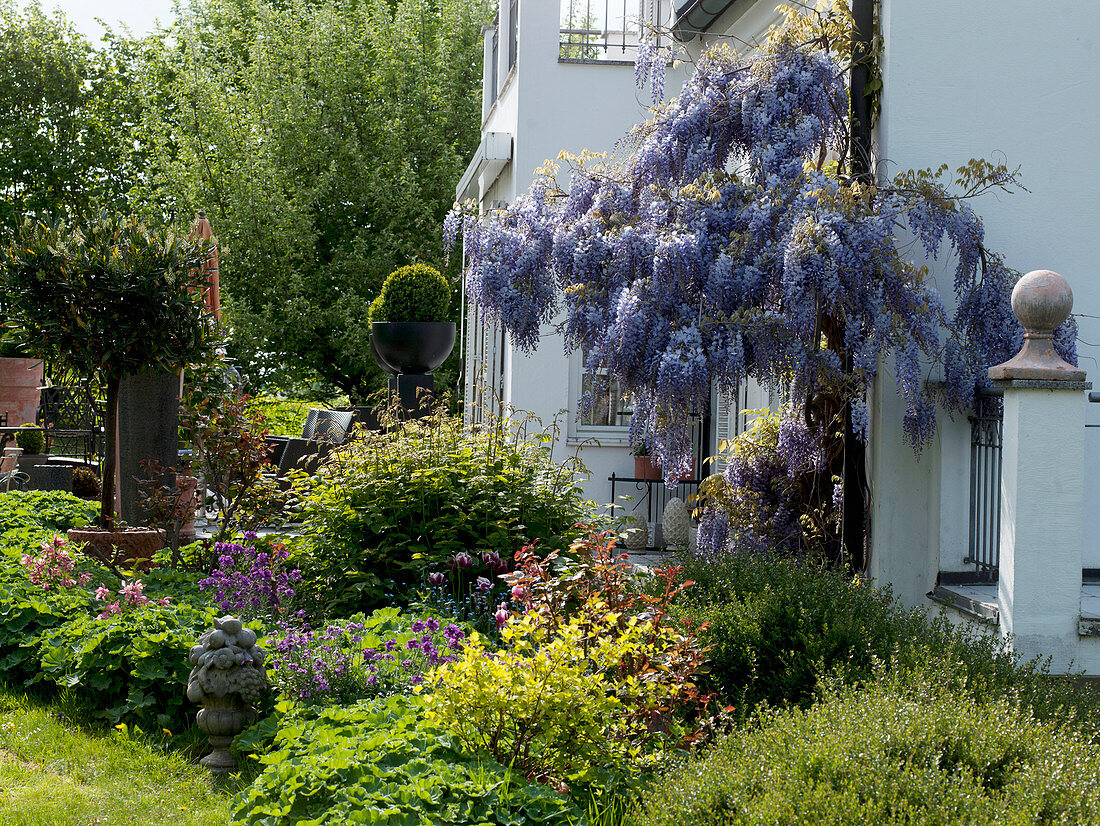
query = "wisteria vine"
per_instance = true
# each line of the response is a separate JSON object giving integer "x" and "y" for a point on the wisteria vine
{"x": 734, "y": 242}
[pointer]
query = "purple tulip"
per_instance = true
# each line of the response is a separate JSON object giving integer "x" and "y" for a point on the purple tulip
{"x": 483, "y": 584}
{"x": 436, "y": 578}
{"x": 501, "y": 616}
{"x": 519, "y": 592}
{"x": 463, "y": 560}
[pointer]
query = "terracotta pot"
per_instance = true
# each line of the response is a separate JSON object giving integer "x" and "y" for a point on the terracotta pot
{"x": 646, "y": 468}
{"x": 19, "y": 383}
{"x": 130, "y": 548}
{"x": 187, "y": 485}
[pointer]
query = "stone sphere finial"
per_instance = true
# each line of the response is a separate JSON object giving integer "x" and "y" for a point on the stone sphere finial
{"x": 1041, "y": 300}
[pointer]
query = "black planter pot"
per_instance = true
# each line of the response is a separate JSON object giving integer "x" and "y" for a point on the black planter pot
{"x": 411, "y": 346}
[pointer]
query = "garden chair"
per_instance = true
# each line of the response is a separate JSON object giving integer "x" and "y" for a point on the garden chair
{"x": 9, "y": 471}
{"x": 323, "y": 431}
{"x": 71, "y": 423}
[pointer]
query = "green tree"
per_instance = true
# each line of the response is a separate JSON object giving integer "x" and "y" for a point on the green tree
{"x": 108, "y": 297}
{"x": 324, "y": 139}
{"x": 64, "y": 119}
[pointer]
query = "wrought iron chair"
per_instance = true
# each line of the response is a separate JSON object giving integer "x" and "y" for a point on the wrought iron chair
{"x": 71, "y": 421}
{"x": 9, "y": 470}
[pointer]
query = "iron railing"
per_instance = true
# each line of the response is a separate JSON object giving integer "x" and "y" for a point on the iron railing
{"x": 648, "y": 497}
{"x": 986, "y": 439}
{"x": 600, "y": 30}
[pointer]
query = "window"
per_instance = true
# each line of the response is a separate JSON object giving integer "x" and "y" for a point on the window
{"x": 598, "y": 30}
{"x": 513, "y": 32}
{"x": 607, "y": 407}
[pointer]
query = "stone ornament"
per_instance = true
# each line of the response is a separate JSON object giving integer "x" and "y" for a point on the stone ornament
{"x": 635, "y": 532}
{"x": 227, "y": 677}
{"x": 677, "y": 524}
{"x": 1041, "y": 301}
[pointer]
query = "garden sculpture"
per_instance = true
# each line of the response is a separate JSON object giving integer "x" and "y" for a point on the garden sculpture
{"x": 227, "y": 677}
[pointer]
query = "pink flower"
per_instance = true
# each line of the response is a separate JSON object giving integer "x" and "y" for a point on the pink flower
{"x": 162, "y": 601}
{"x": 519, "y": 592}
{"x": 463, "y": 560}
{"x": 501, "y": 616}
{"x": 84, "y": 579}
{"x": 483, "y": 584}
{"x": 113, "y": 608}
{"x": 102, "y": 592}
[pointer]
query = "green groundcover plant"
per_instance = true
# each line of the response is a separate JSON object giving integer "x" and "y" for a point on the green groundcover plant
{"x": 912, "y": 748}
{"x": 384, "y": 762}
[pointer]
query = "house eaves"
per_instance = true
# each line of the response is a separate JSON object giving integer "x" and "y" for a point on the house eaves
{"x": 693, "y": 17}
{"x": 492, "y": 155}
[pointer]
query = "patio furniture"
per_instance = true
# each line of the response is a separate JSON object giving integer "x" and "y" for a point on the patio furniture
{"x": 323, "y": 430}
{"x": 71, "y": 422}
{"x": 9, "y": 470}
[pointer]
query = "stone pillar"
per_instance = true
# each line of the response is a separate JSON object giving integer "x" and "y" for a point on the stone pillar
{"x": 1042, "y": 479}
{"x": 148, "y": 428}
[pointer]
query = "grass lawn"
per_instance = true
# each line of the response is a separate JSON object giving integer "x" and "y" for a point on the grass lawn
{"x": 54, "y": 773}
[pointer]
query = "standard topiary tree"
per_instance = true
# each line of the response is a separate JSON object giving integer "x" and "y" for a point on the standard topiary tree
{"x": 110, "y": 297}
{"x": 413, "y": 293}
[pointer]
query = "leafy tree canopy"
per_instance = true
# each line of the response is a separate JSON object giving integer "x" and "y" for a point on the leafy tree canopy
{"x": 323, "y": 137}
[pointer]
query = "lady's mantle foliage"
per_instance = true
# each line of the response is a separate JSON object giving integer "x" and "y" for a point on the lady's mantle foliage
{"x": 726, "y": 246}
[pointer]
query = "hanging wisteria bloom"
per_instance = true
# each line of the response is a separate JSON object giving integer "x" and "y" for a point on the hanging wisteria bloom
{"x": 736, "y": 242}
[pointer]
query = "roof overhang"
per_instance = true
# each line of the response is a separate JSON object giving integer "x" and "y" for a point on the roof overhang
{"x": 695, "y": 16}
{"x": 492, "y": 155}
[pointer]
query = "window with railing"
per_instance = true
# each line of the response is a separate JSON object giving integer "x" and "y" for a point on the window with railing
{"x": 608, "y": 30}
{"x": 513, "y": 32}
{"x": 493, "y": 63}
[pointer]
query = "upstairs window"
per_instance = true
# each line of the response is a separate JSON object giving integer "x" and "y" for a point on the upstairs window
{"x": 608, "y": 30}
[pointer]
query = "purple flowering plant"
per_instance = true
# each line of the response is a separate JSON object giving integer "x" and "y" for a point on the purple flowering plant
{"x": 360, "y": 658}
{"x": 742, "y": 235}
{"x": 253, "y": 580}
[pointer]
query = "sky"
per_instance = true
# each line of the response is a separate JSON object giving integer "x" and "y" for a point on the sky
{"x": 139, "y": 15}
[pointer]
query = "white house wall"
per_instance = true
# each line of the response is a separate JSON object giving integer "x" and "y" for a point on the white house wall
{"x": 1010, "y": 80}
{"x": 549, "y": 107}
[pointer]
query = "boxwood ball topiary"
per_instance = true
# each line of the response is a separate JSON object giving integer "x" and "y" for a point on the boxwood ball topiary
{"x": 30, "y": 439}
{"x": 416, "y": 292}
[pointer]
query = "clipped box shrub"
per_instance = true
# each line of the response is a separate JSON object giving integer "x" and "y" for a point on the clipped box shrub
{"x": 388, "y": 506}
{"x": 917, "y": 750}
{"x": 415, "y": 292}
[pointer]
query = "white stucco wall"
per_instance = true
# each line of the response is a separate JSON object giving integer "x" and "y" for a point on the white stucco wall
{"x": 548, "y": 107}
{"x": 1008, "y": 80}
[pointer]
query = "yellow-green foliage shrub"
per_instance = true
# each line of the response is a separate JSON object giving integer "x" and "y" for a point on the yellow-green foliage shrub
{"x": 556, "y": 706}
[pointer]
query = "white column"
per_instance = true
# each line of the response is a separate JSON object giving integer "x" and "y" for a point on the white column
{"x": 1042, "y": 480}
{"x": 1042, "y": 490}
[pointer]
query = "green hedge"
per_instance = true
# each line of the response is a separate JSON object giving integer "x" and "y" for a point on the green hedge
{"x": 776, "y": 627}
{"x": 388, "y": 505}
{"x": 917, "y": 749}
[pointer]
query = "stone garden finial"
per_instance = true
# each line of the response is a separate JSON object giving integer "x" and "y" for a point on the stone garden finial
{"x": 1041, "y": 301}
{"x": 227, "y": 678}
